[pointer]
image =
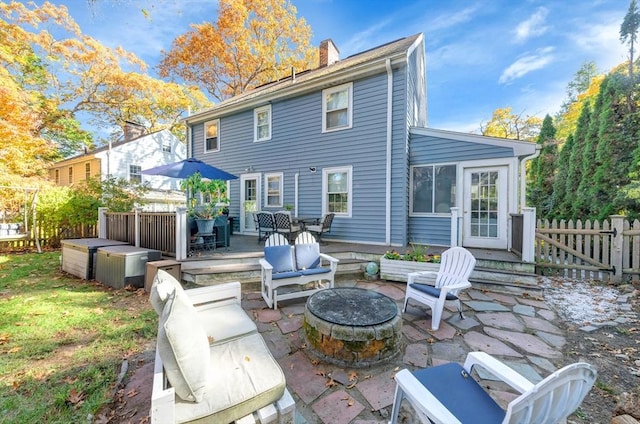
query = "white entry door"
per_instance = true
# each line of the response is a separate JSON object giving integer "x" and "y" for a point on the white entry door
{"x": 485, "y": 207}
{"x": 250, "y": 198}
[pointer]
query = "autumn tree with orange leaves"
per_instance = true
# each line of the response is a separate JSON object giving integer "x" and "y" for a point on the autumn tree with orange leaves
{"x": 251, "y": 43}
{"x": 47, "y": 81}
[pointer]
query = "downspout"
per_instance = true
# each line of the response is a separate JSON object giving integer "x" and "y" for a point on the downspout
{"x": 295, "y": 193}
{"x": 387, "y": 224}
{"x": 523, "y": 177}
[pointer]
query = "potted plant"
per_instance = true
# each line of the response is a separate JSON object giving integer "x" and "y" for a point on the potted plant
{"x": 217, "y": 191}
{"x": 395, "y": 266}
{"x": 205, "y": 215}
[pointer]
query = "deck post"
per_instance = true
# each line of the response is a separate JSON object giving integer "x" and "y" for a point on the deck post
{"x": 455, "y": 227}
{"x": 136, "y": 225}
{"x": 528, "y": 234}
{"x": 102, "y": 223}
{"x": 181, "y": 233}
{"x": 617, "y": 244}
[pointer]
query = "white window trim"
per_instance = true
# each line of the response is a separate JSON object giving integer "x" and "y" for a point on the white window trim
{"x": 432, "y": 165}
{"x": 349, "y": 87}
{"x": 266, "y": 189}
{"x": 325, "y": 186}
{"x": 217, "y": 122}
{"x": 256, "y": 111}
{"x": 139, "y": 173}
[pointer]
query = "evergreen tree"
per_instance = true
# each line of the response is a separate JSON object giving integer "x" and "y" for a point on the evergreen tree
{"x": 559, "y": 183}
{"x": 584, "y": 200}
{"x": 629, "y": 31}
{"x": 574, "y": 166}
{"x": 542, "y": 170}
{"x": 617, "y": 135}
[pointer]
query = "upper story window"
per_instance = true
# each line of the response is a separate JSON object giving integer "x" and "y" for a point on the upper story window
{"x": 166, "y": 146}
{"x": 135, "y": 174}
{"x": 87, "y": 170}
{"x": 57, "y": 176}
{"x": 433, "y": 188}
{"x": 337, "y": 107}
{"x": 273, "y": 189}
{"x": 262, "y": 123}
{"x": 70, "y": 174}
{"x": 212, "y": 136}
{"x": 337, "y": 191}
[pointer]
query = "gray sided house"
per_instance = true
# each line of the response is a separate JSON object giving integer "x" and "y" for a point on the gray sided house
{"x": 350, "y": 137}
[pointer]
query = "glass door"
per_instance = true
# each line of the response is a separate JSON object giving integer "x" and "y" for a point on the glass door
{"x": 250, "y": 195}
{"x": 485, "y": 209}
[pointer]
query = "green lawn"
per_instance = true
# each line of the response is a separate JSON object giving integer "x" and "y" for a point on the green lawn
{"x": 62, "y": 339}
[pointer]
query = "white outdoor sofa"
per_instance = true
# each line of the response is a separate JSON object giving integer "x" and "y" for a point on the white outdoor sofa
{"x": 294, "y": 266}
{"x": 212, "y": 366}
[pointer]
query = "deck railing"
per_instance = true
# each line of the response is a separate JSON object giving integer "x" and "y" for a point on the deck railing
{"x": 151, "y": 230}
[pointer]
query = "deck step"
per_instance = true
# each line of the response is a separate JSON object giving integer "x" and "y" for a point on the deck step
{"x": 248, "y": 272}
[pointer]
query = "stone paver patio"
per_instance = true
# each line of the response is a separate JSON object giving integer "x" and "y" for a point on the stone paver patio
{"x": 521, "y": 330}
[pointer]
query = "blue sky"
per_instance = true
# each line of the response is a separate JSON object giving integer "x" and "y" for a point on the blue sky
{"x": 481, "y": 55}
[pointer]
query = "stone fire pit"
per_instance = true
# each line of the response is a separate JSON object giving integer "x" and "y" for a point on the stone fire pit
{"x": 352, "y": 327}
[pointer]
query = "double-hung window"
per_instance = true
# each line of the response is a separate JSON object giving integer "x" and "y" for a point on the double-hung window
{"x": 337, "y": 108}
{"x": 166, "y": 146}
{"x": 337, "y": 191}
{"x": 70, "y": 174}
{"x": 57, "y": 176}
{"x": 262, "y": 123}
{"x": 212, "y": 136}
{"x": 135, "y": 174}
{"x": 433, "y": 188}
{"x": 87, "y": 170}
{"x": 273, "y": 190}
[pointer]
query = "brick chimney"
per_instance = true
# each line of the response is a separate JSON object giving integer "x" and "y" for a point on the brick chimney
{"x": 329, "y": 53}
{"x": 132, "y": 130}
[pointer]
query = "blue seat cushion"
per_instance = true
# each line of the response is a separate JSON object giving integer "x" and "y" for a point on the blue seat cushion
{"x": 307, "y": 255}
{"x": 431, "y": 291}
{"x": 280, "y": 258}
{"x": 286, "y": 274}
{"x": 461, "y": 395}
{"x": 313, "y": 271}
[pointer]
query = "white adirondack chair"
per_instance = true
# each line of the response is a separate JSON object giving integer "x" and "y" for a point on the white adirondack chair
{"x": 449, "y": 394}
{"x": 452, "y": 277}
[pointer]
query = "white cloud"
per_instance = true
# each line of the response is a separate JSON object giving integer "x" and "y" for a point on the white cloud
{"x": 525, "y": 64}
{"x": 534, "y": 26}
{"x": 601, "y": 43}
{"x": 449, "y": 20}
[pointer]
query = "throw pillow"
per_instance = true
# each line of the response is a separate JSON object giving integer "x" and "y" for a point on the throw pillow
{"x": 280, "y": 258}
{"x": 183, "y": 347}
{"x": 164, "y": 285}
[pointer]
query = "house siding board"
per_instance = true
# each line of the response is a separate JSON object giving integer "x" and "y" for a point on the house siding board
{"x": 298, "y": 142}
{"x": 437, "y": 150}
{"x": 430, "y": 230}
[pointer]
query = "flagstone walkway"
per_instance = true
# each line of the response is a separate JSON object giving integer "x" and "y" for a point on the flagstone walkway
{"x": 519, "y": 329}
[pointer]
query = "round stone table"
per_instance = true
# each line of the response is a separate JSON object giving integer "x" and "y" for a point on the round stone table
{"x": 352, "y": 327}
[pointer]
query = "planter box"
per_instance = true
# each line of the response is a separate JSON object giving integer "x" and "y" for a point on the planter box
{"x": 395, "y": 270}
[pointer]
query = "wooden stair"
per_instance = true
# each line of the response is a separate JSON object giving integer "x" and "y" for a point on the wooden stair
{"x": 490, "y": 272}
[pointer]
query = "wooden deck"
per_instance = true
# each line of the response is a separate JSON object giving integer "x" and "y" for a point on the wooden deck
{"x": 248, "y": 245}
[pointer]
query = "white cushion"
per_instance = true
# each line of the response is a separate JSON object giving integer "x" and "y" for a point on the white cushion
{"x": 226, "y": 322}
{"x": 245, "y": 378}
{"x": 183, "y": 347}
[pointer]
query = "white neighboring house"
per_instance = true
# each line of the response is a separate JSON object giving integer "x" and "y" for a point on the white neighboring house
{"x": 126, "y": 159}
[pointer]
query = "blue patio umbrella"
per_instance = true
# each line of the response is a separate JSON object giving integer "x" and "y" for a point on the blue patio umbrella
{"x": 186, "y": 168}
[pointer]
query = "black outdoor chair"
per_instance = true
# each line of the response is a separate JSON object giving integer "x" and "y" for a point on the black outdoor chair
{"x": 266, "y": 225}
{"x": 322, "y": 226}
{"x": 284, "y": 225}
